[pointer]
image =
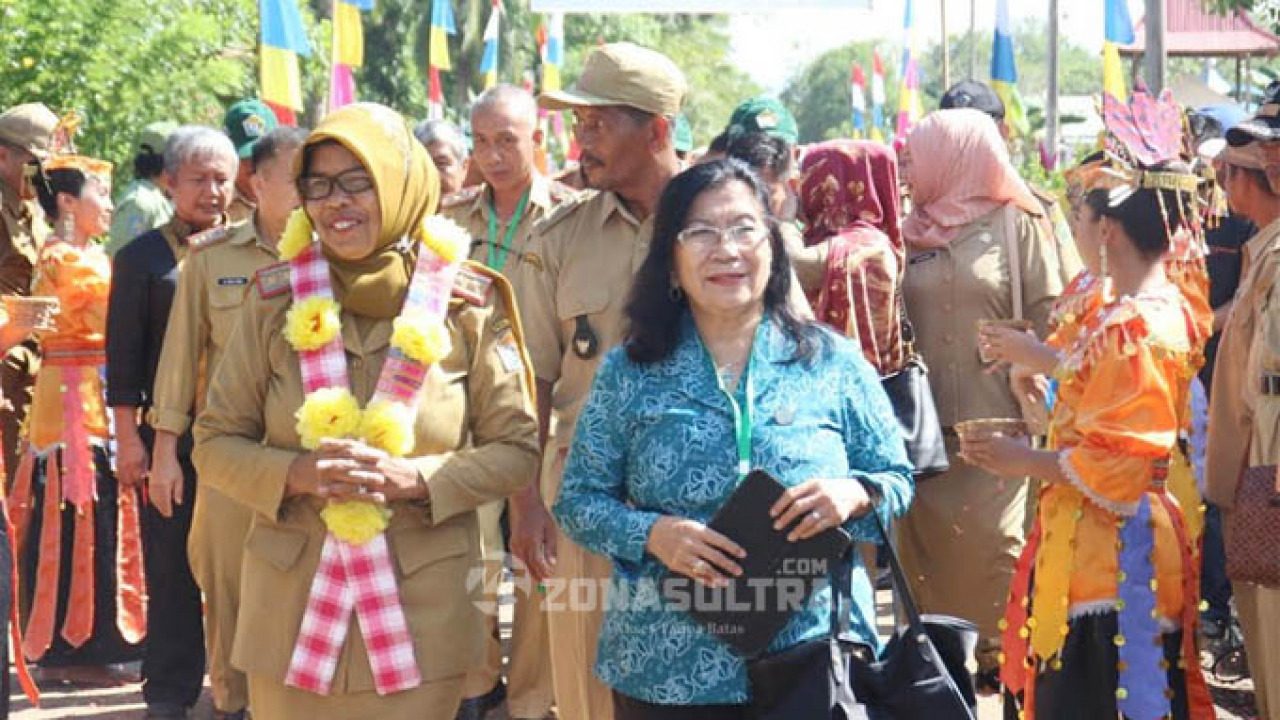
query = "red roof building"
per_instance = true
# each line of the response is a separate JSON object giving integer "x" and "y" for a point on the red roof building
{"x": 1192, "y": 31}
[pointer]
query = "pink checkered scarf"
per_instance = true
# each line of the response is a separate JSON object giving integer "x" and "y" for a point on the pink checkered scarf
{"x": 360, "y": 578}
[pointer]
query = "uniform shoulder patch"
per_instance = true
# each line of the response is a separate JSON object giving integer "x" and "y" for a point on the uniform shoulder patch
{"x": 272, "y": 280}
{"x": 209, "y": 238}
{"x": 462, "y": 197}
{"x": 564, "y": 209}
{"x": 561, "y": 192}
{"x": 473, "y": 283}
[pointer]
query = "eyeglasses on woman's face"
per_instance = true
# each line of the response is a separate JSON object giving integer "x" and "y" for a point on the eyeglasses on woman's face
{"x": 319, "y": 187}
{"x": 745, "y": 234}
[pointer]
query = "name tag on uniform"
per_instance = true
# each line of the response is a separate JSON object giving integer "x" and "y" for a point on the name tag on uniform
{"x": 508, "y": 353}
{"x": 922, "y": 257}
{"x": 233, "y": 281}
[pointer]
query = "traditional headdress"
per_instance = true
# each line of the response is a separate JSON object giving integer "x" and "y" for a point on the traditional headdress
{"x": 1140, "y": 136}
{"x": 62, "y": 150}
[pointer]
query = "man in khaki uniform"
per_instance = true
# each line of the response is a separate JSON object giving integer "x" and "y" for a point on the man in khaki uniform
{"x": 246, "y": 122}
{"x": 576, "y": 276}
{"x": 1244, "y": 423}
{"x": 215, "y": 278}
{"x": 500, "y": 215}
{"x": 25, "y": 132}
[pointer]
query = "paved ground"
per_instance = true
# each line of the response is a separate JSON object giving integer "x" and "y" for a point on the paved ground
{"x": 1235, "y": 699}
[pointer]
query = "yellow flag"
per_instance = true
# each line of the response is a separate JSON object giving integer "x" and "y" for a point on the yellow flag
{"x": 348, "y": 35}
{"x": 1113, "y": 72}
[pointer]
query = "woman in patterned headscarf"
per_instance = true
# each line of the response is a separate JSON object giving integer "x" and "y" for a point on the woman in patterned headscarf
{"x": 849, "y": 196}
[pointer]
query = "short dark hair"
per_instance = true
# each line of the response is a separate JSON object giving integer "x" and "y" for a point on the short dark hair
{"x": 653, "y": 314}
{"x": 762, "y": 152}
{"x": 1148, "y": 216}
{"x": 62, "y": 180}
{"x": 281, "y": 139}
{"x": 719, "y": 143}
{"x": 148, "y": 164}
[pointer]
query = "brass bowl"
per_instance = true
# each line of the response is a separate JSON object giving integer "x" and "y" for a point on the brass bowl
{"x": 36, "y": 312}
{"x": 988, "y": 428}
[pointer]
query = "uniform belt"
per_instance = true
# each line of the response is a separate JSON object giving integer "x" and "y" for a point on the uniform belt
{"x": 1270, "y": 384}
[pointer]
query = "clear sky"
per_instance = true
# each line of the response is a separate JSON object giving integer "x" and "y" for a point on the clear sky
{"x": 772, "y": 46}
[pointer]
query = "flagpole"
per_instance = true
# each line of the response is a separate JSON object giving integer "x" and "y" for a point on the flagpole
{"x": 1051, "y": 106}
{"x": 973, "y": 39}
{"x": 946, "y": 48}
{"x": 333, "y": 55}
{"x": 1157, "y": 63}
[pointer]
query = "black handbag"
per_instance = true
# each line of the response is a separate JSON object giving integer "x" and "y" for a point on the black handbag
{"x": 922, "y": 673}
{"x": 912, "y": 398}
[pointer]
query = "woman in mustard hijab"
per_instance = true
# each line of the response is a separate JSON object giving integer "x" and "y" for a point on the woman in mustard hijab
{"x": 375, "y": 393}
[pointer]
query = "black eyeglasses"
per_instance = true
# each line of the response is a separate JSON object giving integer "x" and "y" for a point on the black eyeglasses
{"x": 319, "y": 187}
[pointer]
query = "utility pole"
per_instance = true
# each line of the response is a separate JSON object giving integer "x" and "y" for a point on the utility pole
{"x": 1157, "y": 63}
{"x": 946, "y": 48}
{"x": 1051, "y": 106}
{"x": 973, "y": 39}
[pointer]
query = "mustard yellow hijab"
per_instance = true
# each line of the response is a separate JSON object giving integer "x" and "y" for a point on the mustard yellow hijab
{"x": 408, "y": 189}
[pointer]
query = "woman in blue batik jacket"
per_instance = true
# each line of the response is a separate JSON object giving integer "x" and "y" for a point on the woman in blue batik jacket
{"x": 718, "y": 376}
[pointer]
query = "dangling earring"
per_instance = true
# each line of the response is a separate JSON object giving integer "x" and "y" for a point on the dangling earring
{"x": 675, "y": 293}
{"x": 1103, "y": 262}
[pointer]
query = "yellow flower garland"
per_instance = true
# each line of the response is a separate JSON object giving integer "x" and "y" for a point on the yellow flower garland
{"x": 312, "y": 323}
{"x": 297, "y": 235}
{"x": 355, "y": 522}
{"x": 327, "y": 413}
{"x": 445, "y": 238}
{"x": 421, "y": 338}
{"x": 388, "y": 425}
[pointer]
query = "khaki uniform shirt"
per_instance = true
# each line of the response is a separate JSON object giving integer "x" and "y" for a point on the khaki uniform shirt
{"x": 215, "y": 278}
{"x": 22, "y": 234}
{"x": 1233, "y": 426}
{"x": 949, "y": 289}
{"x": 471, "y": 207}
{"x": 576, "y": 276}
{"x": 241, "y": 209}
{"x": 475, "y": 442}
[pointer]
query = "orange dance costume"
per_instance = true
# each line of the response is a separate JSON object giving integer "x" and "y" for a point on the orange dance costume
{"x": 77, "y": 534}
{"x": 1102, "y": 615}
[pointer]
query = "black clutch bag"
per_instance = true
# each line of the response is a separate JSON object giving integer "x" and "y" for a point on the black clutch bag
{"x": 778, "y": 576}
{"x": 912, "y": 399}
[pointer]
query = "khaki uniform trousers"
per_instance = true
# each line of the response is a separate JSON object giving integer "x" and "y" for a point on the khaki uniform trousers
{"x": 437, "y": 700}
{"x": 215, "y": 549}
{"x": 17, "y": 375}
{"x": 959, "y": 543}
{"x": 530, "y": 692}
{"x": 574, "y": 629}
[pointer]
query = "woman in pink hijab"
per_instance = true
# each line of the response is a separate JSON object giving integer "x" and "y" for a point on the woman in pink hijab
{"x": 975, "y": 229}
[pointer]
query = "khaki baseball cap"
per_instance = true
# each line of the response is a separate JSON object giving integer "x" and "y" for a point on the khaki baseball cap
{"x": 29, "y": 127}
{"x": 623, "y": 74}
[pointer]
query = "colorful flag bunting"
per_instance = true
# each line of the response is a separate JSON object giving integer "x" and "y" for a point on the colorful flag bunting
{"x": 438, "y": 53}
{"x": 858, "y": 98}
{"x": 283, "y": 39}
{"x": 348, "y": 50}
{"x": 877, "y": 97}
{"x": 1118, "y": 30}
{"x": 1004, "y": 71}
{"x": 489, "y": 61}
{"x": 909, "y": 106}
{"x": 552, "y": 52}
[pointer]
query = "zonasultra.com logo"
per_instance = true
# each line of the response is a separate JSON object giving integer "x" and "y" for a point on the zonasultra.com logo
{"x": 786, "y": 590}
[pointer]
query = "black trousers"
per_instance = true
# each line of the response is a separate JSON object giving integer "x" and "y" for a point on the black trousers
{"x": 6, "y": 606}
{"x": 629, "y": 708}
{"x": 174, "y": 661}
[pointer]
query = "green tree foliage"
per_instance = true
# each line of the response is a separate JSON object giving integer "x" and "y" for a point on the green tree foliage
{"x": 125, "y": 63}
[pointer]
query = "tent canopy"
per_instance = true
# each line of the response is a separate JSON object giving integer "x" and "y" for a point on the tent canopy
{"x": 1193, "y": 31}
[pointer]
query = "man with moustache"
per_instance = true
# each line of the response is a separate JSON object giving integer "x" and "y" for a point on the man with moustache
{"x": 500, "y": 215}
{"x": 573, "y": 284}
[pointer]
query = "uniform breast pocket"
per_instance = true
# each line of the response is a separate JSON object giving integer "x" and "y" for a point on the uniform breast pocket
{"x": 224, "y": 306}
{"x": 443, "y": 408}
{"x": 581, "y": 303}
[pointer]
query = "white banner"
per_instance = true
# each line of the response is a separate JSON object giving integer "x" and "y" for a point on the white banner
{"x": 694, "y": 6}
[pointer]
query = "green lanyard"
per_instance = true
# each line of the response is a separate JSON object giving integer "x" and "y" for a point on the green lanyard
{"x": 741, "y": 413}
{"x": 498, "y": 254}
